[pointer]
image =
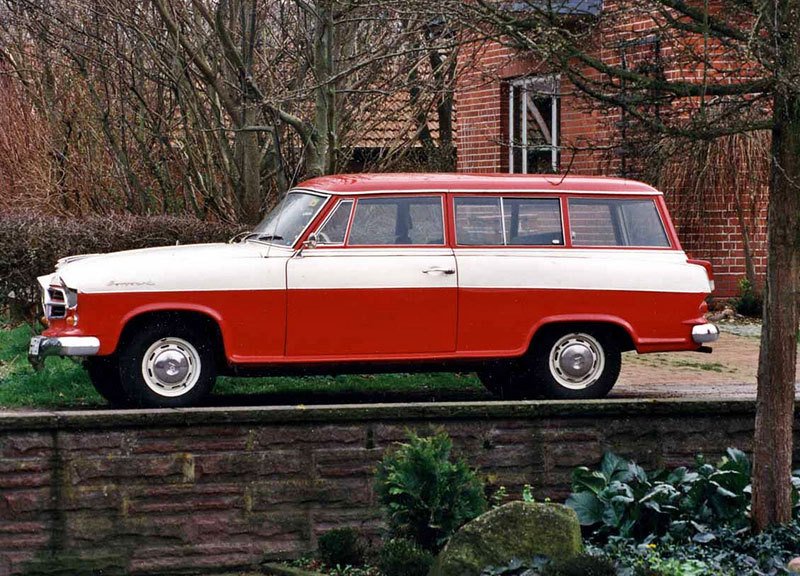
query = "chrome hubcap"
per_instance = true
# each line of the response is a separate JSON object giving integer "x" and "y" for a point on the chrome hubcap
{"x": 171, "y": 367}
{"x": 577, "y": 361}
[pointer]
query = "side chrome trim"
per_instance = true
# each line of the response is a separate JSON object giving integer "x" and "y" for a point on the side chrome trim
{"x": 704, "y": 333}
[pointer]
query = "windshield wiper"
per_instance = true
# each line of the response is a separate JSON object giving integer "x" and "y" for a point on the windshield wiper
{"x": 258, "y": 236}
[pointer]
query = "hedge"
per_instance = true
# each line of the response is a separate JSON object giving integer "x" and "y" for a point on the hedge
{"x": 32, "y": 243}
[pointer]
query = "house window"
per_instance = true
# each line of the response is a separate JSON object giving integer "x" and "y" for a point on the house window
{"x": 533, "y": 125}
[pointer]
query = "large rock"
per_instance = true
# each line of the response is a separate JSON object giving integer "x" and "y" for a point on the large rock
{"x": 517, "y": 530}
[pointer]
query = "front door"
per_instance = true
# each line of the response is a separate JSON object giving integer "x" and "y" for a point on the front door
{"x": 381, "y": 282}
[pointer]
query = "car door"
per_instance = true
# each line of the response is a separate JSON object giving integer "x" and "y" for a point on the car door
{"x": 381, "y": 282}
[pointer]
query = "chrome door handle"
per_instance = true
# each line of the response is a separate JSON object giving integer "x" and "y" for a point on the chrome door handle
{"x": 439, "y": 270}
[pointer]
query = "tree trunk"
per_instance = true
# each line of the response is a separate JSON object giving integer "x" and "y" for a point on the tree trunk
{"x": 776, "y": 367}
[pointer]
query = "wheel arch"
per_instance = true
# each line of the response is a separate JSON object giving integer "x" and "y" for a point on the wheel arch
{"x": 617, "y": 328}
{"x": 194, "y": 315}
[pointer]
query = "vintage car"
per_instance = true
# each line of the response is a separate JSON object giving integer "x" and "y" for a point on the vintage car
{"x": 538, "y": 283}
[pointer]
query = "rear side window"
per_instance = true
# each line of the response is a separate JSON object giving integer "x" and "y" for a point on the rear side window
{"x": 616, "y": 222}
{"x": 413, "y": 220}
{"x": 508, "y": 221}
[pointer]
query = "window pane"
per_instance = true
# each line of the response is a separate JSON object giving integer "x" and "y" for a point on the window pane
{"x": 384, "y": 221}
{"x": 610, "y": 222}
{"x": 334, "y": 229}
{"x": 533, "y": 221}
{"x": 478, "y": 221}
{"x": 643, "y": 224}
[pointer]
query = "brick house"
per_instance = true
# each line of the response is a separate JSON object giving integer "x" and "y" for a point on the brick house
{"x": 562, "y": 131}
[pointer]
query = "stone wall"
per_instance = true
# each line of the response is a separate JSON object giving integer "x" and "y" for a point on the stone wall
{"x": 208, "y": 489}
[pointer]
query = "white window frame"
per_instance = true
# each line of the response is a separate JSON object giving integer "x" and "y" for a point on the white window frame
{"x": 533, "y": 86}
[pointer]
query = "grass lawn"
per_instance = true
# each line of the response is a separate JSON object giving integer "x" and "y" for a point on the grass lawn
{"x": 64, "y": 384}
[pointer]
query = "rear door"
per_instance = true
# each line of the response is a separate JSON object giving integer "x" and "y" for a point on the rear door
{"x": 381, "y": 282}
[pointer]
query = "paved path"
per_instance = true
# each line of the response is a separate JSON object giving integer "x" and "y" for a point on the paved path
{"x": 729, "y": 372}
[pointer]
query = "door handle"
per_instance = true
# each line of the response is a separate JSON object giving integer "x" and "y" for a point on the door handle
{"x": 439, "y": 270}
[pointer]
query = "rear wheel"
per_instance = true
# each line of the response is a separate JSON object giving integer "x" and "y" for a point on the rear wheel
{"x": 168, "y": 365}
{"x": 575, "y": 363}
{"x": 104, "y": 374}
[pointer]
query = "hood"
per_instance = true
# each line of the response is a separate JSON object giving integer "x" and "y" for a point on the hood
{"x": 169, "y": 268}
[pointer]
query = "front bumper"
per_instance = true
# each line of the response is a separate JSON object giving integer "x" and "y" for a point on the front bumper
{"x": 705, "y": 333}
{"x": 43, "y": 346}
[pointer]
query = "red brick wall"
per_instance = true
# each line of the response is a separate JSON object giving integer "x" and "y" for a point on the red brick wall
{"x": 592, "y": 143}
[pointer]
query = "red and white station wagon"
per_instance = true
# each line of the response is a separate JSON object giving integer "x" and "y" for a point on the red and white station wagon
{"x": 537, "y": 282}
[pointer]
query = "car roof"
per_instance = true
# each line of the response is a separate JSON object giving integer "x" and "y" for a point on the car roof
{"x": 440, "y": 182}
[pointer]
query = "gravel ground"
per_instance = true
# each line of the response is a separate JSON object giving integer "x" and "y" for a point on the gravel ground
{"x": 728, "y": 372}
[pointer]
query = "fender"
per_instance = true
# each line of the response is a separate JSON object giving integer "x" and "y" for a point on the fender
{"x": 582, "y": 318}
{"x": 134, "y": 313}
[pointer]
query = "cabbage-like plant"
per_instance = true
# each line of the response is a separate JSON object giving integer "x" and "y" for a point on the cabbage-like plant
{"x": 621, "y": 499}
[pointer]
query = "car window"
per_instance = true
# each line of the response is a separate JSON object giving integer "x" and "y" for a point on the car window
{"x": 284, "y": 224}
{"x": 335, "y": 227}
{"x": 478, "y": 221}
{"x": 616, "y": 222}
{"x": 533, "y": 221}
{"x": 508, "y": 221}
{"x": 384, "y": 221}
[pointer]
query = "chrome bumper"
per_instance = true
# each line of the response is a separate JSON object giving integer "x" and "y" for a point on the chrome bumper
{"x": 42, "y": 346}
{"x": 705, "y": 333}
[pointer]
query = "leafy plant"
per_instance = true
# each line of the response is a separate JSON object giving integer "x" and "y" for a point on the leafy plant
{"x": 401, "y": 557}
{"x": 341, "y": 547}
{"x": 729, "y": 552}
{"x": 581, "y": 565}
{"x": 621, "y": 499}
{"x": 749, "y": 303}
{"x": 428, "y": 495}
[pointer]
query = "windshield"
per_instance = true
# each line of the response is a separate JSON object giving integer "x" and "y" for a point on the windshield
{"x": 288, "y": 219}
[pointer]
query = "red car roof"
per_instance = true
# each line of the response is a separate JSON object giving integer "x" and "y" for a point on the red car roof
{"x": 416, "y": 182}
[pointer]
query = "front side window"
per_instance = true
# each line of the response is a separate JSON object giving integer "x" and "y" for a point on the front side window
{"x": 289, "y": 218}
{"x": 616, "y": 222}
{"x": 533, "y": 125}
{"x": 508, "y": 222}
{"x": 415, "y": 220}
{"x": 335, "y": 227}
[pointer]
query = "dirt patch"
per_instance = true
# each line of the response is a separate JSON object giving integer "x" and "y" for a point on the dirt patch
{"x": 728, "y": 372}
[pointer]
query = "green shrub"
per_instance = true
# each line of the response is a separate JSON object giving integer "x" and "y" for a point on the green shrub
{"x": 425, "y": 493}
{"x": 728, "y": 552}
{"x": 749, "y": 303}
{"x": 340, "y": 547}
{"x": 580, "y": 565}
{"x": 621, "y": 499}
{"x": 33, "y": 242}
{"x": 401, "y": 557}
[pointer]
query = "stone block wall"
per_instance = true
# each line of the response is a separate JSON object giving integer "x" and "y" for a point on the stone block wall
{"x": 177, "y": 491}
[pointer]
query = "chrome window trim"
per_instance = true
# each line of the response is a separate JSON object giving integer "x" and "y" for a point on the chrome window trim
{"x": 668, "y": 246}
{"x": 422, "y": 191}
{"x": 441, "y": 197}
{"x": 505, "y": 243}
{"x": 339, "y": 202}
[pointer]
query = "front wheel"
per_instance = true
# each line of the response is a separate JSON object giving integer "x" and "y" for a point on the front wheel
{"x": 104, "y": 374}
{"x": 168, "y": 365}
{"x": 575, "y": 364}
